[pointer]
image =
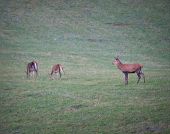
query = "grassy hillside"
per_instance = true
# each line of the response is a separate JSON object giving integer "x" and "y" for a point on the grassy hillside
{"x": 84, "y": 36}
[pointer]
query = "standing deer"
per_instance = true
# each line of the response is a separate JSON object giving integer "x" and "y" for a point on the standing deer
{"x": 57, "y": 69}
{"x": 32, "y": 67}
{"x": 129, "y": 68}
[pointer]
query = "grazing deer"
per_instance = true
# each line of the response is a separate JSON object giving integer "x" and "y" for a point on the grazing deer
{"x": 57, "y": 69}
{"x": 32, "y": 67}
{"x": 129, "y": 68}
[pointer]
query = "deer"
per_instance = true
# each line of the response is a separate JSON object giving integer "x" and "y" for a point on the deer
{"x": 32, "y": 67}
{"x": 129, "y": 68}
{"x": 57, "y": 69}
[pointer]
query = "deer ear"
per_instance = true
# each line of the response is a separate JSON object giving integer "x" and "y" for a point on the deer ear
{"x": 117, "y": 57}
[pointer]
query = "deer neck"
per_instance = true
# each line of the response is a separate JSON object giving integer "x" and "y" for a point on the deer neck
{"x": 119, "y": 65}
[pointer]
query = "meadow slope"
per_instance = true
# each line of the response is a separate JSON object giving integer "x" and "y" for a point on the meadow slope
{"x": 84, "y": 36}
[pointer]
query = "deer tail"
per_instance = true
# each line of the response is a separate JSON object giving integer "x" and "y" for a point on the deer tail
{"x": 36, "y": 66}
{"x": 61, "y": 69}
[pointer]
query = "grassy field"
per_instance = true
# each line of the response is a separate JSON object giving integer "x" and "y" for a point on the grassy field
{"x": 84, "y": 36}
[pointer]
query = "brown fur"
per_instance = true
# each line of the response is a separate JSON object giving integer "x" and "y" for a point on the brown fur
{"x": 129, "y": 68}
{"x": 31, "y": 68}
{"x": 57, "y": 69}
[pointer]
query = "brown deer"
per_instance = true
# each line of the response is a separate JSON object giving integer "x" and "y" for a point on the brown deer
{"x": 129, "y": 68}
{"x": 57, "y": 69}
{"x": 32, "y": 67}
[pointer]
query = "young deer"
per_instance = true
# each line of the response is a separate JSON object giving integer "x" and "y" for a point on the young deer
{"x": 32, "y": 67}
{"x": 129, "y": 68}
{"x": 57, "y": 69}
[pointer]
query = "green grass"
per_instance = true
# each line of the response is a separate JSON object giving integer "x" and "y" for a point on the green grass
{"x": 84, "y": 36}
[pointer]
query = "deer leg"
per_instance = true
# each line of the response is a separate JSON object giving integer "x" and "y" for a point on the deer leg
{"x": 36, "y": 72}
{"x": 28, "y": 74}
{"x": 143, "y": 76}
{"x": 51, "y": 74}
{"x": 60, "y": 74}
{"x": 55, "y": 75}
{"x": 126, "y": 78}
{"x": 33, "y": 74}
{"x": 138, "y": 74}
